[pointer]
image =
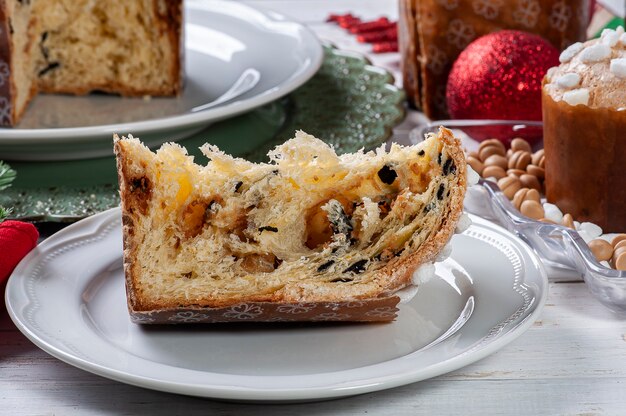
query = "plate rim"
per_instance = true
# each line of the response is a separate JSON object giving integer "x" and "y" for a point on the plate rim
{"x": 63, "y": 135}
{"x": 246, "y": 394}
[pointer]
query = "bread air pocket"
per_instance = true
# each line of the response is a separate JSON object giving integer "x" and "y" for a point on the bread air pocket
{"x": 308, "y": 228}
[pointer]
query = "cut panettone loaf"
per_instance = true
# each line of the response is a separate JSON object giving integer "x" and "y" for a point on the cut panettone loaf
{"x": 309, "y": 236}
{"x": 132, "y": 48}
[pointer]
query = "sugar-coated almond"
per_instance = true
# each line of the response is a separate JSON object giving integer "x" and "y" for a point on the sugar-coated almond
{"x": 530, "y": 181}
{"x": 520, "y": 144}
{"x": 618, "y": 252}
{"x": 493, "y": 172}
{"x": 491, "y": 142}
{"x": 496, "y": 160}
{"x": 519, "y": 197}
{"x": 601, "y": 249}
{"x": 509, "y": 185}
{"x": 542, "y": 162}
{"x": 487, "y": 151}
{"x": 532, "y": 209}
{"x": 619, "y": 244}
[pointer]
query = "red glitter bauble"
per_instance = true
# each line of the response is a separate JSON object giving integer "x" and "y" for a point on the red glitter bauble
{"x": 498, "y": 76}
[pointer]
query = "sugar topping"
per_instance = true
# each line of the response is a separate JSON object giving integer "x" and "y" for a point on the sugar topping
{"x": 622, "y": 39}
{"x": 595, "y": 53}
{"x": 618, "y": 67}
{"x": 568, "y": 81}
{"x": 576, "y": 97}
{"x": 609, "y": 37}
{"x": 571, "y": 52}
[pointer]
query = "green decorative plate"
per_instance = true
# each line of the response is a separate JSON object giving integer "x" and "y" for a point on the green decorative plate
{"x": 348, "y": 103}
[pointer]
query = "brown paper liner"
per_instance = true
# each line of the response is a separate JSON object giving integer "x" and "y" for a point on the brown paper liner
{"x": 585, "y": 150}
{"x": 370, "y": 310}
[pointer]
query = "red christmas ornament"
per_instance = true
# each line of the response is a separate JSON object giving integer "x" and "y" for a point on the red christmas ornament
{"x": 498, "y": 76}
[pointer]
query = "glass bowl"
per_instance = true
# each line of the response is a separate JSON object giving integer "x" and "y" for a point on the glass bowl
{"x": 559, "y": 247}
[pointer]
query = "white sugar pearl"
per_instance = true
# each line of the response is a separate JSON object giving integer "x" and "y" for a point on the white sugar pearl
{"x": 550, "y": 73}
{"x": 423, "y": 274}
{"x": 585, "y": 236}
{"x": 472, "y": 176}
{"x": 619, "y": 30}
{"x": 570, "y": 52}
{"x": 576, "y": 225}
{"x": 605, "y": 264}
{"x": 618, "y": 67}
{"x": 568, "y": 81}
{"x": 445, "y": 253}
{"x": 609, "y": 37}
{"x": 463, "y": 224}
{"x": 595, "y": 53}
{"x": 622, "y": 39}
{"x": 552, "y": 212}
{"x": 576, "y": 97}
{"x": 592, "y": 229}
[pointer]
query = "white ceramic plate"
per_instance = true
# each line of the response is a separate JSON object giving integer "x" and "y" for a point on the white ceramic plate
{"x": 223, "y": 39}
{"x": 68, "y": 297}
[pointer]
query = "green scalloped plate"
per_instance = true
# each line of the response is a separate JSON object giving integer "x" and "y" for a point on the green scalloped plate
{"x": 348, "y": 103}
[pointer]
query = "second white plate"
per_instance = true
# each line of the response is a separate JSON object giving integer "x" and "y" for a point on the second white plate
{"x": 67, "y": 296}
{"x": 223, "y": 40}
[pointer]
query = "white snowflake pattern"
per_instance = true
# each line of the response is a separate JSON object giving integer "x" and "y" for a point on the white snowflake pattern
{"x": 527, "y": 13}
{"x": 489, "y": 9}
{"x": 243, "y": 312}
{"x": 449, "y": 4}
{"x": 5, "y": 111}
{"x": 281, "y": 319}
{"x": 188, "y": 316}
{"x": 437, "y": 59}
{"x": 429, "y": 23}
{"x": 143, "y": 319}
{"x": 559, "y": 18}
{"x": 460, "y": 34}
{"x": 382, "y": 312}
{"x": 331, "y": 316}
{"x": 295, "y": 309}
{"x": 4, "y": 73}
{"x": 355, "y": 304}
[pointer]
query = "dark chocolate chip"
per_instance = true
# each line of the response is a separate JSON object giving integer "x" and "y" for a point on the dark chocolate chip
{"x": 140, "y": 184}
{"x": 440, "y": 191}
{"x": 50, "y": 67}
{"x": 325, "y": 266}
{"x": 421, "y": 153}
{"x": 357, "y": 267}
{"x": 238, "y": 185}
{"x": 429, "y": 207}
{"x": 449, "y": 167}
{"x": 399, "y": 253}
{"x": 268, "y": 228}
{"x": 387, "y": 174}
{"x": 439, "y": 158}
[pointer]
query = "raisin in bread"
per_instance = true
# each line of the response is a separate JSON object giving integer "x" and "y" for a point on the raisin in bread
{"x": 132, "y": 48}
{"x": 310, "y": 235}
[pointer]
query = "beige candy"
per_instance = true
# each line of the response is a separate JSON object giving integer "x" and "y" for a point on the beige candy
{"x": 496, "y": 160}
{"x": 536, "y": 171}
{"x": 533, "y": 195}
{"x": 601, "y": 249}
{"x": 515, "y": 172}
{"x": 520, "y": 144}
{"x": 509, "y": 185}
{"x": 530, "y": 181}
{"x": 617, "y": 239}
{"x": 536, "y": 157}
{"x": 519, "y": 197}
{"x": 494, "y": 171}
{"x": 520, "y": 159}
{"x": 476, "y": 164}
{"x": 620, "y": 244}
{"x": 620, "y": 262}
{"x": 568, "y": 221}
{"x": 532, "y": 209}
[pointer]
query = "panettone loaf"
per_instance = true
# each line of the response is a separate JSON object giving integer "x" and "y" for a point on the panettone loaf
{"x": 131, "y": 48}
{"x": 311, "y": 231}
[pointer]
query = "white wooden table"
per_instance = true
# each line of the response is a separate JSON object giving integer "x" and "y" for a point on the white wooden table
{"x": 571, "y": 362}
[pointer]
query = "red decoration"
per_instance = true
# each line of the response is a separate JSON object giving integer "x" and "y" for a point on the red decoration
{"x": 498, "y": 76}
{"x": 381, "y": 33}
{"x": 16, "y": 240}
